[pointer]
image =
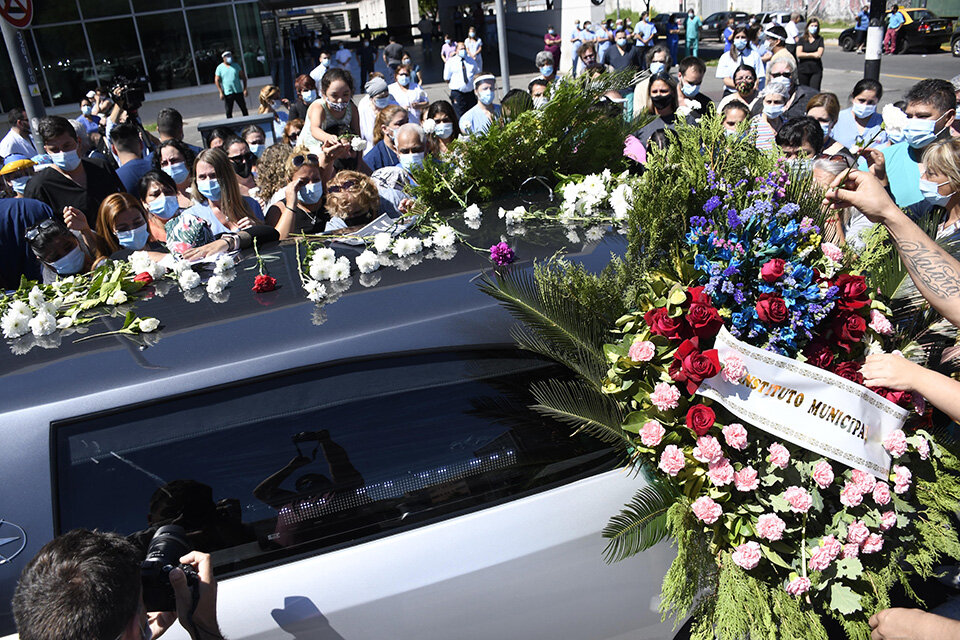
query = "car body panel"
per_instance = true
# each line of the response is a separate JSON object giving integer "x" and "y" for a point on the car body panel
{"x": 921, "y": 29}
{"x": 715, "y": 23}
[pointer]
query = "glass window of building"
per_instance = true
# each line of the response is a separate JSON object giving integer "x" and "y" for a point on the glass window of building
{"x": 67, "y": 68}
{"x": 115, "y": 49}
{"x": 251, "y": 35}
{"x": 167, "y": 50}
{"x": 102, "y": 8}
{"x": 213, "y": 31}
{"x": 155, "y": 5}
{"x": 51, "y": 12}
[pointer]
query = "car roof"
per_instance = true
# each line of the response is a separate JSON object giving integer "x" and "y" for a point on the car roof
{"x": 432, "y": 301}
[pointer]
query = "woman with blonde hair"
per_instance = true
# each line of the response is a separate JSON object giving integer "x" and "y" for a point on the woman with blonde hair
{"x": 271, "y": 102}
{"x": 353, "y": 200}
{"x": 384, "y": 151}
{"x": 940, "y": 184}
{"x": 122, "y": 222}
{"x": 291, "y": 132}
{"x": 271, "y": 170}
{"x": 219, "y": 202}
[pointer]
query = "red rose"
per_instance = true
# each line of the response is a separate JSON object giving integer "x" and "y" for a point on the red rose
{"x": 262, "y": 284}
{"x": 704, "y": 320}
{"x": 901, "y": 398}
{"x": 848, "y": 328}
{"x": 850, "y": 371}
{"x": 143, "y": 277}
{"x": 693, "y": 366}
{"x": 695, "y": 295}
{"x": 853, "y": 292}
{"x": 663, "y": 325}
{"x": 772, "y": 270}
{"x": 771, "y": 308}
{"x": 700, "y": 418}
{"x": 819, "y": 355}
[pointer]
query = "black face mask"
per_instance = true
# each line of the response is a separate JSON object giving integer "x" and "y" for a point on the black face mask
{"x": 243, "y": 165}
{"x": 660, "y": 101}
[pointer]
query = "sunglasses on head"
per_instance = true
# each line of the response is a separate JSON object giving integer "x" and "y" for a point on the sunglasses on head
{"x": 301, "y": 159}
{"x": 346, "y": 186}
{"x": 35, "y": 230}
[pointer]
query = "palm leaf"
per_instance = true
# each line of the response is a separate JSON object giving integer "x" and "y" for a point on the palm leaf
{"x": 582, "y": 407}
{"x": 642, "y": 523}
{"x": 587, "y": 364}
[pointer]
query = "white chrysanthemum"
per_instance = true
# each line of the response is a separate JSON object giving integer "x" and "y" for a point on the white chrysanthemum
{"x": 593, "y": 234}
{"x": 36, "y": 297}
{"x": 606, "y": 175}
{"x": 472, "y": 224}
{"x": 224, "y": 263}
{"x": 894, "y": 120}
{"x": 683, "y": 111}
{"x": 216, "y": 284}
{"x": 382, "y": 242}
{"x": 140, "y": 261}
{"x": 20, "y": 307}
{"x": 340, "y": 269}
{"x": 156, "y": 270}
{"x": 315, "y": 290}
{"x": 180, "y": 267}
{"x": 15, "y": 325}
{"x": 621, "y": 201}
{"x": 367, "y": 262}
{"x": 571, "y": 193}
{"x": 572, "y": 236}
{"x": 358, "y": 144}
{"x": 117, "y": 297}
{"x": 429, "y": 125}
{"x": 444, "y": 236}
{"x": 445, "y": 253}
{"x": 513, "y": 216}
{"x": 149, "y": 325}
{"x": 50, "y": 308}
{"x": 324, "y": 257}
{"x": 43, "y": 324}
{"x": 189, "y": 279}
{"x": 320, "y": 271}
{"x": 65, "y": 322}
{"x": 472, "y": 213}
{"x": 407, "y": 247}
{"x": 428, "y": 242}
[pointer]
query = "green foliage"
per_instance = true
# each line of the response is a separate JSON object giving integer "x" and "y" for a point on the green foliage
{"x": 571, "y": 134}
{"x": 581, "y": 406}
{"x": 642, "y": 523}
{"x": 692, "y": 574}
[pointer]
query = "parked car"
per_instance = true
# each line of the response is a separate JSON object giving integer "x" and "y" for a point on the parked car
{"x": 369, "y": 469}
{"x": 715, "y": 23}
{"x": 774, "y": 17}
{"x": 922, "y": 30}
{"x": 955, "y": 42}
{"x": 661, "y": 20}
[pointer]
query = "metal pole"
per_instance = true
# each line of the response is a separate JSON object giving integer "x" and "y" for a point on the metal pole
{"x": 871, "y": 62}
{"x": 618, "y": 9}
{"x": 502, "y": 45}
{"x": 23, "y": 70}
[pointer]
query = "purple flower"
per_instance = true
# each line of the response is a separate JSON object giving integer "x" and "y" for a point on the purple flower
{"x": 711, "y": 204}
{"x": 501, "y": 254}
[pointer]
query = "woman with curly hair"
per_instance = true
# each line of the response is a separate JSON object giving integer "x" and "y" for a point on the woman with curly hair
{"x": 297, "y": 206}
{"x": 353, "y": 201}
{"x": 271, "y": 169}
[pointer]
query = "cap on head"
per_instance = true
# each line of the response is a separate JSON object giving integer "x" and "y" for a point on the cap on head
{"x": 487, "y": 77}
{"x": 375, "y": 86}
{"x": 226, "y": 53}
{"x": 776, "y": 31}
{"x": 91, "y": 94}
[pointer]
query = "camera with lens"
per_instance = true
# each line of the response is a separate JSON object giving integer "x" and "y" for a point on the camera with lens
{"x": 166, "y": 548}
{"x": 128, "y": 94}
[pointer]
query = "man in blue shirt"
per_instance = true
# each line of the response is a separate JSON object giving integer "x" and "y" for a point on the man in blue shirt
{"x": 576, "y": 39}
{"x": 931, "y": 109}
{"x": 863, "y": 22}
{"x": 894, "y": 23}
{"x": 646, "y": 38}
{"x": 125, "y": 145}
{"x": 623, "y": 55}
{"x": 478, "y": 118}
{"x": 231, "y": 82}
{"x": 692, "y": 29}
{"x": 16, "y": 216}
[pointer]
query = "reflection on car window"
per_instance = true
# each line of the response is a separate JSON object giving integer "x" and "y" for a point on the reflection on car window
{"x": 275, "y": 468}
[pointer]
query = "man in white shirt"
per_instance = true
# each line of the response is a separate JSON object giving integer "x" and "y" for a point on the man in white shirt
{"x": 17, "y": 139}
{"x": 793, "y": 29}
{"x": 320, "y": 69}
{"x": 459, "y": 72}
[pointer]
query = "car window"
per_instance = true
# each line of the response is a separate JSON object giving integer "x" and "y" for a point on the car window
{"x": 298, "y": 463}
{"x": 713, "y": 17}
{"x": 921, "y": 15}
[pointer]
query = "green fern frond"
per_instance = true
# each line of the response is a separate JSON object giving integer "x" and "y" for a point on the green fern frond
{"x": 642, "y": 523}
{"x": 582, "y": 407}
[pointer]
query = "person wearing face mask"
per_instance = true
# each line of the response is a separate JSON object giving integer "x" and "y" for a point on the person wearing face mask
{"x": 766, "y": 124}
{"x": 825, "y": 108}
{"x": 776, "y": 37}
{"x": 411, "y": 149}
{"x": 175, "y": 159}
{"x": 448, "y": 49}
{"x": 800, "y": 95}
{"x": 860, "y": 122}
{"x": 673, "y": 37}
{"x": 354, "y": 200}
{"x": 384, "y": 151}
{"x": 219, "y": 202}
{"x": 323, "y": 65}
{"x": 415, "y": 75}
{"x": 244, "y": 163}
{"x": 604, "y": 33}
{"x": 810, "y": 56}
{"x": 376, "y": 97}
{"x": 272, "y": 103}
{"x": 623, "y": 56}
{"x": 690, "y": 74}
{"x": 231, "y": 82}
{"x": 89, "y": 121}
{"x": 745, "y": 81}
{"x": 335, "y": 105}
{"x": 367, "y": 56}
{"x": 477, "y": 120}
{"x": 306, "y": 90}
{"x": 740, "y": 54}
{"x": 646, "y": 37}
{"x": 255, "y": 138}
{"x": 551, "y": 45}
{"x": 588, "y": 58}
{"x": 940, "y": 185}
{"x": 931, "y": 108}
{"x": 692, "y": 33}
{"x": 426, "y": 28}
{"x": 297, "y": 207}
{"x": 445, "y": 127}
{"x": 659, "y": 101}
{"x": 72, "y": 181}
{"x": 125, "y": 230}
{"x": 393, "y": 53}
{"x": 538, "y": 89}
{"x": 408, "y": 93}
{"x": 158, "y": 195}
{"x": 459, "y": 73}
{"x": 126, "y": 146}
{"x": 576, "y": 41}
{"x": 16, "y": 173}
{"x": 17, "y": 139}
{"x": 343, "y": 57}
{"x": 955, "y": 128}
{"x": 61, "y": 253}
{"x": 734, "y": 113}
{"x": 544, "y": 62}
{"x": 16, "y": 216}
{"x": 474, "y": 45}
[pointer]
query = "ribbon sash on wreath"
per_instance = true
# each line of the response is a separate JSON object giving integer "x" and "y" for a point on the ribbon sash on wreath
{"x": 806, "y": 405}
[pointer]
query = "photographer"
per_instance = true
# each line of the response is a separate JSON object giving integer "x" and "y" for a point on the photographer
{"x": 86, "y": 585}
{"x": 128, "y": 98}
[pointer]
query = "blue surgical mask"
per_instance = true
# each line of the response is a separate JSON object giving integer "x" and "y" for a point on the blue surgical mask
{"x": 813, "y": 29}
{"x": 20, "y": 184}
{"x": 66, "y": 160}
{"x": 931, "y": 193}
{"x": 827, "y": 128}
{"x": 462, "y": 53}
{"x": 403, "y": 80}
{"x": 178, "y": 171}
{"x": 546, "y": 70}
{"x": 656, "y": 67}
{"x": 228, "y": 59}
{"x": 86, "y": 109}
{"x": 773, "y": 110}
{"x": 485, "y": 96}
{"x": 411, "y": 161}
{"x": 864, "y": 110}
{"x": 689, "y": 90}
{"x": 550, "y": 31}
{"x": 164, "y": 207}
{"x": 134, "y": 239}
{"x": 381, "y": 102}
{"x": 621, "y": 42}
{"x": 919, "y": 133}
{"x": 309, "y": 95}
{"x": 740, "y": 44}
{"x": 443, "y": 130}
{"x": 257, "y": 149}
{"x": 310, "y": 193}
{"x": 209, "y": 189}
{"x": 69, "y": 264}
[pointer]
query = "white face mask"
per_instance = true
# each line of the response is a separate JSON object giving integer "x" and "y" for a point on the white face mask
{"x": 309, "y": 95}
{"x": 773, "y": 110}
{"x": 862, "y": 110}
{"x": 228, "y": 59}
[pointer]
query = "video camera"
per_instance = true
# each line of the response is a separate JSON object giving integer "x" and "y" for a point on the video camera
{"x": 128, "y": 94}
{"x": 166, "y": 548}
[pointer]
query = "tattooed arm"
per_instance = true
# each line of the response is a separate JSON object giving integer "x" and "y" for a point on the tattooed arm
{"x": 935, "y": 272}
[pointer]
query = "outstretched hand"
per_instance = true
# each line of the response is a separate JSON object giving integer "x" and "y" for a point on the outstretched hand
{"x": 863, "y": 191}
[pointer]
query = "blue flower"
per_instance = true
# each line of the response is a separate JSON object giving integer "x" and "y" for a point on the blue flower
{"x": 711, "y": 204}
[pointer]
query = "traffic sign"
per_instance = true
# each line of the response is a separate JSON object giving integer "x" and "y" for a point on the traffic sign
{"x": 19, "y": 13}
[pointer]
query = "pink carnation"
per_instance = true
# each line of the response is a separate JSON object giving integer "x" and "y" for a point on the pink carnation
{"x": 733, "y": 369}
{"x": 706, "y": 510}
{"x": 823, "y": 474}
{"x": 735, "y": 435}
{"x": 850, "y": 495}
{"x": 651, "y": 434}
{"x": 864, "y": 481}
{"x": 873, "y": 543}
{"x": 770, "y": 526}
{"x": 832, "y": 545}
{"x": 708, "y": 449}
{"x": 851, "y": 550}
{"x": 820, "y": 559}
{"x": 832, "y": 251}
{"x": 672, "y": 460}
{"x": 720, "y": 472}
{"x": 857, "y": 532}
{"x": 798, "y": 586}
{"x": 902, "y": 479}
{"x": 895, "y": 443}
{"x": 665, "y": 396}
{"x": 746, "y": 479}
{"x": 879, "y": 323}
{"x": 779, "y": 456}
{"x": 923, "y": 448}
{"x": 881, "y": 493}
{"x": 642, "y": 351}
{"x": 747, "y": 555}
{"x": 888, "y": 520}
{"x": 799, "y": 499}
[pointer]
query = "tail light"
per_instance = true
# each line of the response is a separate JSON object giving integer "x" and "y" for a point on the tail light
{"x": 924, "y": 28}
